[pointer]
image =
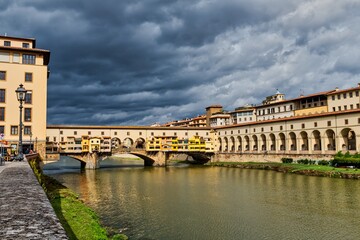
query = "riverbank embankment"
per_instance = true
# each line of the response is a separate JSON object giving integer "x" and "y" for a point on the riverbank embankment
{"x": 303, "y": 169}
{"x": 25, "y": 211}
{"x": 78, "y": 220}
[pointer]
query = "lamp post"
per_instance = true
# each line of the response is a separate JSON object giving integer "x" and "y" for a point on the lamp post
{"x": 20, "y": 94}
{"x": 30, "y": 141}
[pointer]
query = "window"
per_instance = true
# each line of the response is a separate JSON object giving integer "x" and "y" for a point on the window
{"x": 27, "y": 115}
{"x": 344, "y": 95}
{"x": 128, "y": 133}
{"x": 7, "y": 43}
{"x": 271, "y": 128}
{"x": 25, "y": 45}
{"x": 2, "y": 114}
{"x": 262, "y": 129}
{"x": 140, "y": 133}
{"x": 338, "y": 96}
{"x": 291, "y": 126}
{"x": 115, "y": 133}
{"x": 357, "y": 105}
{"x": 16, "y": 58}
{"x": 315, "y": 124}
{"x": 350, "y": 94}
{"x": 61, "y": 132}
{"x": 28, "y": 59}
{"x": 254, "y": 130}
{"x": 346, "y": 121}
{"x": 345, "y": 107}
{"x": 28, "y": 77}
{"x": 175, "y": 134}
{"x": 333, "y": 97}
{"x": 2, "y": 95}
{"x": 334, "y": 109}
{"x": 102, "y": 133}
{"x": 246, "y": 131}
{"x": 186, "y": 133}
{"x": 152, "y": 133}
{"x": 281, "y": 127}
{"x": 351, "y": 106}
{"x": 359, "y": 120}
{"x": 2, "y": 75}
{"x": 303, "y": 125}
{"x": 62, "y": 139}
{"x": 2, "y": 129}
{"x": 357, "y": 93}
{"x": 14, "y": 130}
{"x": 4, "y": 57}
{"x": 28, "y": 97}
{"x": 329, "y": 123}
{"x": 291, "y": 107}
{"x": 75, "y": 132}
{"x": 53, "y": 138}
{"x": 197, "y": 134}
{"x": 27, "y": 130}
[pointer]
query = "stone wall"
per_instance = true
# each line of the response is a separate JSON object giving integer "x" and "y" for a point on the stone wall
{"x": 236, "y": 157}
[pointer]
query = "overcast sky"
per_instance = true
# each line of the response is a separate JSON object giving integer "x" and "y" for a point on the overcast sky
{"x": 134, "y": 62}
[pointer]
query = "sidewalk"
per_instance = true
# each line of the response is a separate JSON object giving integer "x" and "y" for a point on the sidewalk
{"x": 25, "y": 211}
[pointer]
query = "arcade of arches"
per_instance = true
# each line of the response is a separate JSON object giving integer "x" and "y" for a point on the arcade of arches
{"x": 325, "y": 141}
{"x": 127, "y": 143}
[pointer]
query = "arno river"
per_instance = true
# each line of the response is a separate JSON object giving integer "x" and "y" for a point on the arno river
{"x": 187, "y": 202}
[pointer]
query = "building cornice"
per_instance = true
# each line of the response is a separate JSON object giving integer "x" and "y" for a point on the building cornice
{"x": 286, "y": 119}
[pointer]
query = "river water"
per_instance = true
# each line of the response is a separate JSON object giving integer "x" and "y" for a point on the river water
{"x": 187, "y": 202}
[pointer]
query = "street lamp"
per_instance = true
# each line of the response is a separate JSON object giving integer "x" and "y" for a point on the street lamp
{"x": 30, "y": 141}
{"x": 20, "y": 94}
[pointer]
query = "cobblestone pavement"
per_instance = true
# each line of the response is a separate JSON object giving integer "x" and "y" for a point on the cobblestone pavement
{"x": 25, "y": 211}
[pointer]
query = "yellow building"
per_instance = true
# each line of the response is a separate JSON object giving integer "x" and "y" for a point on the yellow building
{"x": 197, "y": 144}
{"x": 85, "y": 143}
{"x": 94, "y": 144}
{"x": 22, "y": 63}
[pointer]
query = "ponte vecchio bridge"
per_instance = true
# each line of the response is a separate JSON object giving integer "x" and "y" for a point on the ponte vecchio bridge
{"x": 155, "y": 145}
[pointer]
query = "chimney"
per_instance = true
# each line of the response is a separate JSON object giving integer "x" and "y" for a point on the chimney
{"x": 358, "y": 84}
{"x": 336, "y": 89}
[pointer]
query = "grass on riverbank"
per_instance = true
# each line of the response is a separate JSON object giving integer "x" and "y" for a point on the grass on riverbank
{"x": 310, "y": 170}
{"x": 78, "y": 220}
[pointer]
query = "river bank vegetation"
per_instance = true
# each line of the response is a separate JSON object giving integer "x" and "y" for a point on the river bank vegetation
{"x": 342, "y": 166}
{"x": 78, "y": 220}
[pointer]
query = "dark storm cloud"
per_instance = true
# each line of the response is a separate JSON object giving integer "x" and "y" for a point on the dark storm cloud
{"x": 139, "y": 62}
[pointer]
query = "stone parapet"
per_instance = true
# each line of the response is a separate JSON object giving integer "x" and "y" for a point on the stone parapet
{"x": 25, "y": 211}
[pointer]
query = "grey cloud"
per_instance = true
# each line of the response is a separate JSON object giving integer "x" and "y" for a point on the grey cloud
{"x": 139, "y": 62}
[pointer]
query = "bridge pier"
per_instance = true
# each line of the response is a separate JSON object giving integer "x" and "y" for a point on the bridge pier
{"x": 92, "y": 161}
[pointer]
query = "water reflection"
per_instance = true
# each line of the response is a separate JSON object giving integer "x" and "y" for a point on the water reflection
{"x": 220, "y": 203}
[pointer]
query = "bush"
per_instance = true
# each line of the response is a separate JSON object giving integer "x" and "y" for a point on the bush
{"x": 287, "y": 160}
{"x": 303, "y": 161}
{"x": 339, "y": 154}
{"x": 338, "y": 162}
{"x": 323, "y": 162}
{"x": 306, "y": 161}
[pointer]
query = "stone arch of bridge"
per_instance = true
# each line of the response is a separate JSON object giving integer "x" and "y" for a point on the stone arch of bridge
{"x": 148, "y": 160}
